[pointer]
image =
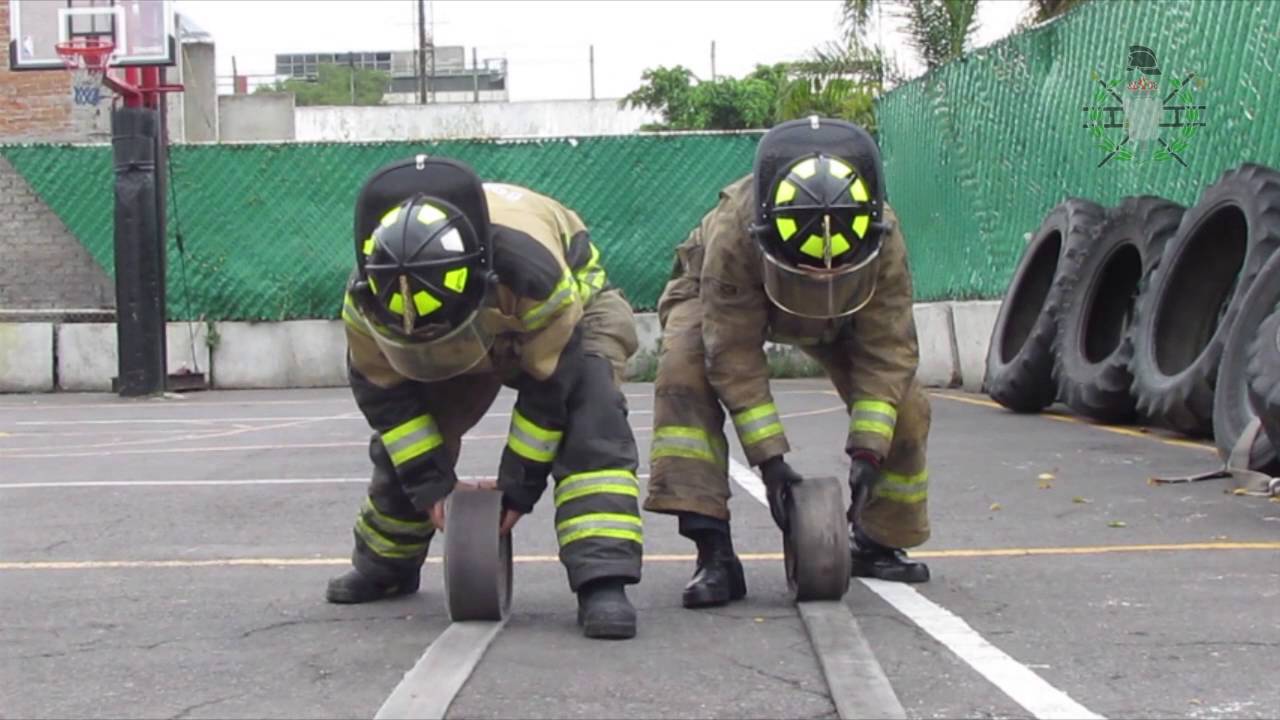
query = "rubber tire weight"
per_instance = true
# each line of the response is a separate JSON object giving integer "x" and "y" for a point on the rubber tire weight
{"x": 816, "y": 549}
{"x": 1232, "y": 408}
{"x": 1094, "y": 343}
{"x": 1019, "y": 372}
{"x": 477, "y": 559}
{"x": 1185, "y": 313}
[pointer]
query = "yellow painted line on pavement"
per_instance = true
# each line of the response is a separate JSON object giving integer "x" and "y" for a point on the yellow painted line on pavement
{"x": 658, "y": 558}
{"x": 1081, "y": 421}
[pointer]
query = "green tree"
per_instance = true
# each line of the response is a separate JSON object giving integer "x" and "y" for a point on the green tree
{"x": 939, "y": 30}
{"x": 335, "y": 85}
{"x": 1041, "y": 10}
{"x": 727, "y": 103}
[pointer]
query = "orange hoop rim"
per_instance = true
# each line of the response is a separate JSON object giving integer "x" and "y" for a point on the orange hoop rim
{"x": 94, "y": 53}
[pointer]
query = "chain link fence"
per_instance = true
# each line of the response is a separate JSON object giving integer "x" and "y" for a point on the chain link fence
{"x": 265, "y": 230}
{"x": 978, "y": 151}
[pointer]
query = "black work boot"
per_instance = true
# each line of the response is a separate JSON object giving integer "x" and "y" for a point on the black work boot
{"x": 871, "y": 559}
{"x": 356, "y": 587}
{"x": 604, "y": 610}
{"x": 718, "y": 577}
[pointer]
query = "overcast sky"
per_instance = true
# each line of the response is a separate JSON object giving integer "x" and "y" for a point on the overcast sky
{"x": 547, "y": 43}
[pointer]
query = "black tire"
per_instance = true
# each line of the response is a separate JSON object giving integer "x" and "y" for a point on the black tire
{"x": 1232, "y": 409}
{"x": 1019, "y": 372}
{"x": 1184, "y": 316}
{"x": 1094, "y": 342}
{"x": 1264, "y": 375}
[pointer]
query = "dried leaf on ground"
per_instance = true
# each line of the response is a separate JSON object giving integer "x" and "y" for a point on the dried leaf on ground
{"x": 995, "y": 506}
{"x": 1117, "y": 524}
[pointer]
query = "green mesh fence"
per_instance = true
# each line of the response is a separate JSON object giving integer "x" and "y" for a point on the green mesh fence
{"x": 978, "y": 151}
{"x": 267, "y": 227}
{"x": 975, "y": 154}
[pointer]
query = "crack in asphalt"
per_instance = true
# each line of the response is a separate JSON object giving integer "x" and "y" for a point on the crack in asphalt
{"x": 314, "y": 621}
{"x": 796, "y": 684}
{"x": 192, "y": 708}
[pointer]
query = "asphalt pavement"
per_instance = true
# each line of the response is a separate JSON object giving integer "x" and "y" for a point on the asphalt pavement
{"x": 166, "y": 558}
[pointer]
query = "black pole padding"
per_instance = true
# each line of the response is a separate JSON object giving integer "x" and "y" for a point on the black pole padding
{"x": 139, "y": 253}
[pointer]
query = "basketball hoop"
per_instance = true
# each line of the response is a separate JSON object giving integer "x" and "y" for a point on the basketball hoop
{"x": 87, "y": 58}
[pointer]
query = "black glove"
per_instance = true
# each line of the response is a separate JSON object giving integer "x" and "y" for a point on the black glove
{"x": 778, "y": 479}
{"x": 864, "y": 473}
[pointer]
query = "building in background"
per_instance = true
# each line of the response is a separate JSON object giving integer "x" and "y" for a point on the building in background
{"x": 449, "y": 78}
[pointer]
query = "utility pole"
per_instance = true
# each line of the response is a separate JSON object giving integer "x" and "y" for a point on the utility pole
{"x": 431, "y": 45}
{"x": 592, "y": 61}
{"x": 475, "y": 74}
{"x": 713, "y": 61}
{"x": 422, "y": 53}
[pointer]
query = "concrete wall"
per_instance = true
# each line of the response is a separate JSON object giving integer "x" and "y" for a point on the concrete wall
{"x": 466, "y": 120}
{"x": 200, "y": 93}
{"x": 265, "y": 116}
{"x": 42, "y": 265}
{"x": 311, "y": 353}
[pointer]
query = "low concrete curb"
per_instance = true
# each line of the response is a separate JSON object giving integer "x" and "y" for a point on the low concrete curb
{"x": 87, "y": 358}
{"x": 295, "y": 354}
{"x": 936, "y": 337}
{"x": 973, "y": 322}
{"x": 26, "y": 357}
{"x": 39, "y": 356}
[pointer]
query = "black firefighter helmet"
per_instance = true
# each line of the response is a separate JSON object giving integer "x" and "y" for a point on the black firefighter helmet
{"x": 424, "y": 260}
{"x": 819, "y": 208}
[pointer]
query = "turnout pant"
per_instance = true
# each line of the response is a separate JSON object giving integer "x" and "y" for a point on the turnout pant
{"x": 689, "y": 453}
{"x": 596, "y": 493}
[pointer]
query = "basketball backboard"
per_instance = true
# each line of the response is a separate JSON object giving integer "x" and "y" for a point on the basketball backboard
{"x": 142, "y": 30}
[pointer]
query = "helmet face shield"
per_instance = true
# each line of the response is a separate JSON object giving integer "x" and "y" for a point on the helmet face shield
{"x": 440, "y": 358}
{"x": 817, "y": 293}
{"x": 818, "y": 220}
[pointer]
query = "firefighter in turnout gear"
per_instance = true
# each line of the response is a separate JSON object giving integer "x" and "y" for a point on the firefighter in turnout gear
{"x": 804, "y": 251}
{"x": 461, "y": 288}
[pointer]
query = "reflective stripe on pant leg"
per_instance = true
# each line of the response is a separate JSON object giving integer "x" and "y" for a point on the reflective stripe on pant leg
{"x": 897, "y": 513}
{"x": 691, "y": 443}
{"x": 598, "y": 524}
{"x": 391, "y": 536}
{"x": 903, "y": 488}
{"x": 757, "y": 423}
{"x": 531, "y": 441}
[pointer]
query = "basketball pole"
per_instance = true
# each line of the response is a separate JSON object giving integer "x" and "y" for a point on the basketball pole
{"x": 139, "y": 144}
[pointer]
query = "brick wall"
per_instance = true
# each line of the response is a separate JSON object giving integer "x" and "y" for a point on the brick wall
{"x": 42, "y": 265}
{"x": 35, "y": 105}
{"x": 32, "y": 104}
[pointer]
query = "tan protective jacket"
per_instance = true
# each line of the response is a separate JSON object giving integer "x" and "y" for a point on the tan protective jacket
{"x": 739, "y": 319}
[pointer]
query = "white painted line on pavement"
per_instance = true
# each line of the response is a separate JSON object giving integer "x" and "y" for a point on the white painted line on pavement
{"x": 1026, "y": 688}
{"x": 858, "y": 685}
{"x": 247, "y": 481}
{"x": 1029, "y": 690}
{"x": 429, "y": 688}
{"x": 351, "y": 417}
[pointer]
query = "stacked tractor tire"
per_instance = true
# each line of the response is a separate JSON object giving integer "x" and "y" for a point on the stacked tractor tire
{"x": 1152, "y": 313}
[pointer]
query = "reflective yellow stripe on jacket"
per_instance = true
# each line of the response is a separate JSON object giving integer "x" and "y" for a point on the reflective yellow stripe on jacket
{"x": 758, "y": 423}
{"x": 591, "y": 276}
{"x": 531, "y": 441}
{"x": 411, "y": 440}
{"x": 875, "y": 417}
{"x": 564, "y": 294}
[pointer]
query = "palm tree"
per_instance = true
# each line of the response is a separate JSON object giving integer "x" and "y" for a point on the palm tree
{"x": 1041, "y": 10}
{"x": 939, "y": 30}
